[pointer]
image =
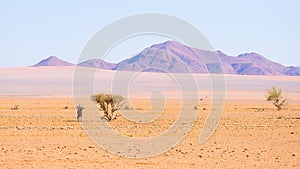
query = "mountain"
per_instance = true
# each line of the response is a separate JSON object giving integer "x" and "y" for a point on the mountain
{"x": 167, "y": 57}
{"x": 253, "y": 64}
{"x": 98, "y": 63}
{"x": 292, "y": 71}
{"x": 174, "y": 57}
{"x": 53, "y": 61}
{"x": 95, "y": 63}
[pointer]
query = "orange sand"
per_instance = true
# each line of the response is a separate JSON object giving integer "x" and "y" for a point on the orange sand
{"x": 43, "y": 134}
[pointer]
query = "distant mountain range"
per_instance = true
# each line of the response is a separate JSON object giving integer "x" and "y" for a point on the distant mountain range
{"x": 174, "y": 57}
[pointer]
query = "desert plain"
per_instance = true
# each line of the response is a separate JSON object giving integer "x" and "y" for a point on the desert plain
{"x": 44, "y": 132}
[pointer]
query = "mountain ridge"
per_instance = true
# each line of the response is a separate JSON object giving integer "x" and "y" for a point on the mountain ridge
{"x": 98, "y": 63}
{"x": 174, "y": 57}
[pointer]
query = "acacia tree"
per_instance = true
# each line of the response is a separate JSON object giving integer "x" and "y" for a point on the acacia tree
{"x": 276, "y": 97}
{"x": 109, "y": 104}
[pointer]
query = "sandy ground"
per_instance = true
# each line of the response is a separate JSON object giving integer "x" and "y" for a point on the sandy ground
{"x": 44, "y": 134}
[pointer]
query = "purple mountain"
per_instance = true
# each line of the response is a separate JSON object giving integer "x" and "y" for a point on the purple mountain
{"x": 174, "y": 57}
{"x": 53, "y": 61}
{"x": 98, "y": 63}
{"x": 95, "y": 63}
{"x": 166, "y": 57}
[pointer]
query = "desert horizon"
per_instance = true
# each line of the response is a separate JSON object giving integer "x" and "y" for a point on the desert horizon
{"x": 149, "y": 84}
{"x": 58, "y": 81}
{"x": 44, "y": 131}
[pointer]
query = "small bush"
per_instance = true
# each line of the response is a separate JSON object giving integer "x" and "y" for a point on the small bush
{"x": 275, "y": 96}
{"x": 16, "y": 107}
{"x": 128, "y": 107}
{"x": 109, "y": 104}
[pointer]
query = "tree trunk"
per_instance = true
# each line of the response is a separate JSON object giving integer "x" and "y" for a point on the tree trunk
{"x": 107, "y": 116}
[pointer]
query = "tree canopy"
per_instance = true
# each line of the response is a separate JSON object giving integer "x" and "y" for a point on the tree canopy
{"x": 109, "y": 104}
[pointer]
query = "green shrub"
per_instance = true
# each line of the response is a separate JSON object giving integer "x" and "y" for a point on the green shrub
{"x": 275, "y": 96}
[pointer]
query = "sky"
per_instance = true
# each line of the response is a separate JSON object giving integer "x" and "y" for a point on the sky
{"x": 34, "y": 30}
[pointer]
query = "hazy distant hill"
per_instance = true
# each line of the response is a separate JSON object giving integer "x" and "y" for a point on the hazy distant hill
{"x": 53, "y": 61}
{"x": 174, "y": 57}
{"x": 98, "y": 63}
{"x": 252, "y": 64}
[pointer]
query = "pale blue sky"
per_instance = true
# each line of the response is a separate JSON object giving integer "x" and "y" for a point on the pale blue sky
{"x": 33, "y": 30}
